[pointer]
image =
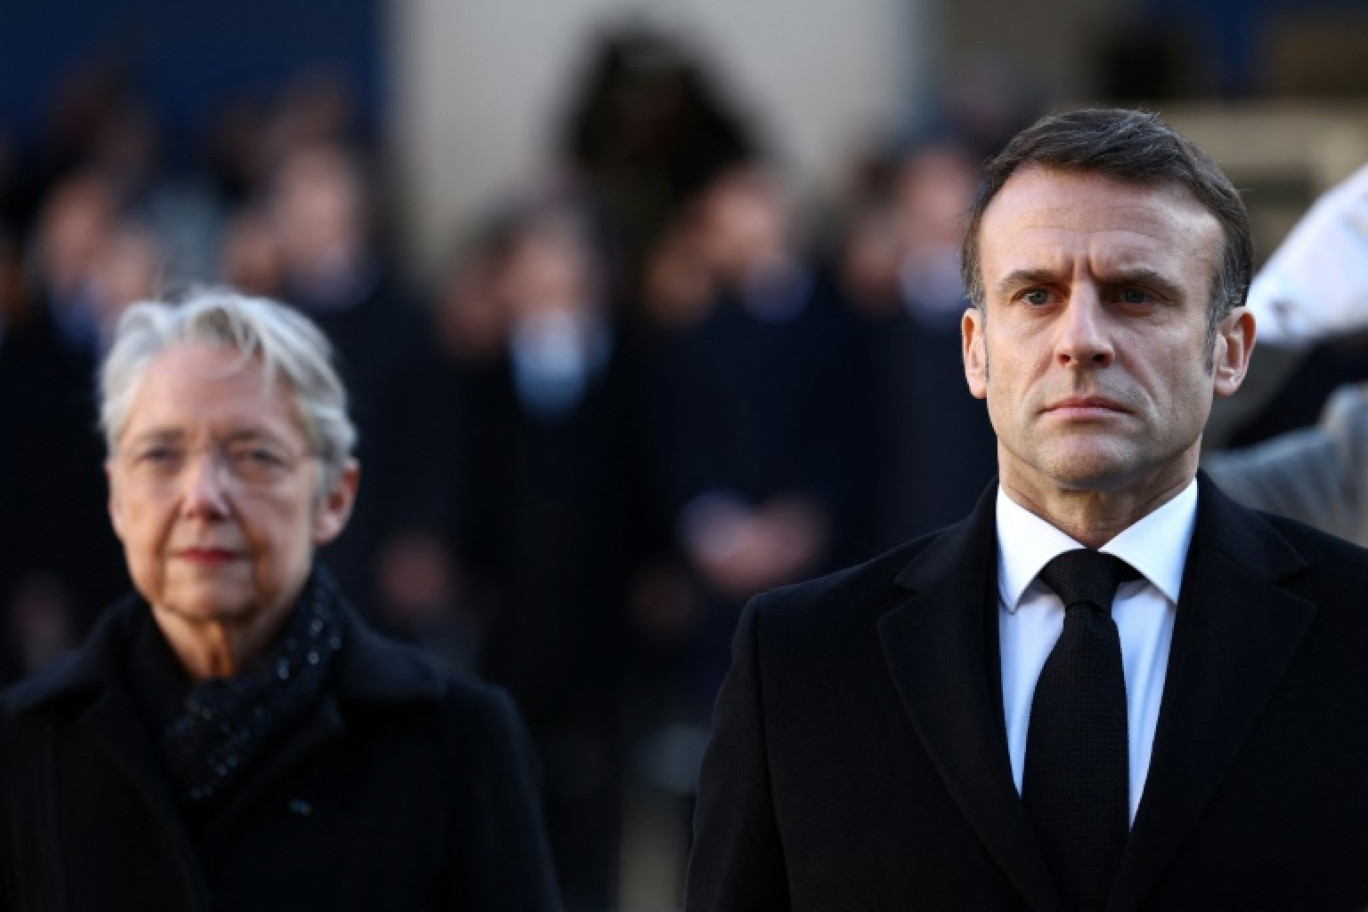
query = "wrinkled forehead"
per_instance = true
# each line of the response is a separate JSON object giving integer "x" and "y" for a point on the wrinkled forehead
{"x": 1042, "y": 186}
{"x": 1040, "y": 211}
{"x": 196, "y": 387}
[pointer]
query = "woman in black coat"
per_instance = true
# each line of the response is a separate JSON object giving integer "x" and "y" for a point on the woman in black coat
{"x": 234, "y": 737}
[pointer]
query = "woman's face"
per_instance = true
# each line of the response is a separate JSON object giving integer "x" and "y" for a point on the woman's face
{"x": 213, "y": 490}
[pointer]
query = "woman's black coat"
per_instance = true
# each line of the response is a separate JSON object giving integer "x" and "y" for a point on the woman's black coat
{"x": 405, "y": 789}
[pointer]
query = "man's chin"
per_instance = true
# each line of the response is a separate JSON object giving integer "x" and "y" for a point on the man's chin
{"x": 1096, "y": 475}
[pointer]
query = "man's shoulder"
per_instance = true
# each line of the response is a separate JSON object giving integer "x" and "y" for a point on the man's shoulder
{"x": 1311, "y": 565}
{"x": 1328, "y": 557}
{"x": 852, "y": 598}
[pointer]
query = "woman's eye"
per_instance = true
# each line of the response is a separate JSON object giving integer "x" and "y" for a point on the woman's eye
{"x": 158, "y": 456}
{"x": 256, "y": 456}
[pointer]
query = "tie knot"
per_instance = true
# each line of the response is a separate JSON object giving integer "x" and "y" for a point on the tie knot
{"x": 1084, "y": 576}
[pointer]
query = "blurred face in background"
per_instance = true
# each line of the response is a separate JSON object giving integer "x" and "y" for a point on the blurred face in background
{"x": 75, "y": 222}
{"x": 933, "y": 192}
{"x": 127, "y": 269}
{"x": 472, "y": 321}
{"x": 742, "y": 222}
{"x": 547, "y": 270}
{"x": 248, "y": 257}
{"x": 318, "y": 214}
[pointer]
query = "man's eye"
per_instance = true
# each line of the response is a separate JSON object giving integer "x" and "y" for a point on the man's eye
{"x": 1134, "y": 296}
{"x": 1036, "y": 296}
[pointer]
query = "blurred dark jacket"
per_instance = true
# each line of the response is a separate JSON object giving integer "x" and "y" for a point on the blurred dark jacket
{"x": 389, "y": 363}
{"x": 759, "y": 403}
{"x": 57, "y": 552}
{"x": 1316, "y": 474}
{"x": 402, "y": 790}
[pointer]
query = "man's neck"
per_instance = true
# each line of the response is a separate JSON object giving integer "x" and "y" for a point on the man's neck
{"x": 1094, "y": 517}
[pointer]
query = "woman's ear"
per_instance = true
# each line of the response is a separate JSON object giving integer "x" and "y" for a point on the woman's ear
{"x": 336, "y": 505}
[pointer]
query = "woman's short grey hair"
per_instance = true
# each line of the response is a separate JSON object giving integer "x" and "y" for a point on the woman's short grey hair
{"x": 285, "y": 342}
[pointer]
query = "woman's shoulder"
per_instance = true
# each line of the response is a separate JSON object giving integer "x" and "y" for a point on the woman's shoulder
{"x": 374, "y": 668}
{"x": 74, "y": 676}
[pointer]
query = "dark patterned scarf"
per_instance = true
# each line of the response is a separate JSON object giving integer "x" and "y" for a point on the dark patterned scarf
{"x": 226, "y": 724}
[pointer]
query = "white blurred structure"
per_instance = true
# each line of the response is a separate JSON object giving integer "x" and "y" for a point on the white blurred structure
{"x": 478, "y": 86}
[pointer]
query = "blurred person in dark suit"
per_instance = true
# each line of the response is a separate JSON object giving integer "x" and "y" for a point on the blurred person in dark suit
{"x": 248, "y": 258}
{"x": 75, "y": 223}
{"x": 751, "y": 375}
{"x": 1111, "y": 686}
{"x": 333, "y": 266}
{"x": 1309, "y": 300}
{"x": 931, "y": 447}
{"x": 233, "y": 735}
{"x": 644, "y": 130}
{"x": 58, "y": 561}
{"x": 61, "y": 564}
{"x": 1313, "y": 293}
{"x": 556, "y": 511}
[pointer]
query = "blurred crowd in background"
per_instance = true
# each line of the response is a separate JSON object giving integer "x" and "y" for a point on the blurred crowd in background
{"x": 649, "y": 386}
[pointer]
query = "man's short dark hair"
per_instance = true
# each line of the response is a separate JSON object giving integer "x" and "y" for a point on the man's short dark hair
{"x": 1131, "y": 147}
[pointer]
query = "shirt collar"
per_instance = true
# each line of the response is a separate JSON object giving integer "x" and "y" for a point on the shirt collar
{"x": 1156, "y": 545}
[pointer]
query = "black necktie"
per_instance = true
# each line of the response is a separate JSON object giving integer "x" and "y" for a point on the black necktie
{"x": 1076, "y": 781}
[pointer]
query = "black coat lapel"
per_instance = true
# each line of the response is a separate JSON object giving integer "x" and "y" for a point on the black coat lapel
{"x": 1235, "y": 634}
{"x": 935, "y": 647}
{"x": 112, "y": 722}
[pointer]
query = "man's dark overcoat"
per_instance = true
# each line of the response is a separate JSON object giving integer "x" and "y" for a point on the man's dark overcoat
{"x": 860, "y": 757}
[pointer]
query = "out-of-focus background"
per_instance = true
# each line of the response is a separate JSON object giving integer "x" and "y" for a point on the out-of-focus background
{"x": 645, "y": 306}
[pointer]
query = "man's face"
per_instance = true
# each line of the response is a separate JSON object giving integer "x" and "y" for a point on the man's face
{"x": 1092, "y": 350}
{"x": 213, "y": 489}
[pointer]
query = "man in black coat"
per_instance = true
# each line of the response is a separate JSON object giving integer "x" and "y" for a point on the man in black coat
{"x": 881, "y": 739}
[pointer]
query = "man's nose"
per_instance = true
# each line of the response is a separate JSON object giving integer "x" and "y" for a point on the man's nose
{"x": 1084, "y": 330}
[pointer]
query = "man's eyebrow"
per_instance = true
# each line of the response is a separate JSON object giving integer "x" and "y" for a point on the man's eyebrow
{"x": 1147, "y": 278}
{"x": 1020, "y": 277}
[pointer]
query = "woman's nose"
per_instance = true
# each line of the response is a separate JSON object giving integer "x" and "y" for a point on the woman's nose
{"x": 205, "y": 483}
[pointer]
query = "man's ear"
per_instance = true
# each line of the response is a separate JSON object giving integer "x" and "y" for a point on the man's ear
{"x": 335, "y": 508}
{"x": 1234, "y": 345}
{"x": 975, "y": 349}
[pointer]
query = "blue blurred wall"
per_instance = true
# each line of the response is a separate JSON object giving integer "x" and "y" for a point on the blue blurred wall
{"x": 185, "y": 54}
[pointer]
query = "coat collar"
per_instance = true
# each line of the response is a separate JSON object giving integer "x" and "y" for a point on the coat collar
{"x": 938, "y": 648}
{"x": 370, "y": 668}
{"x": 1236, "y": 632}
{"x": 939, "y": 644}
{"x": 92, "y": 685}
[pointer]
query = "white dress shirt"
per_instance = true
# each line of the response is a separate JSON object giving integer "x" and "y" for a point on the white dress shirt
{"x": 1031, "y": 617}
